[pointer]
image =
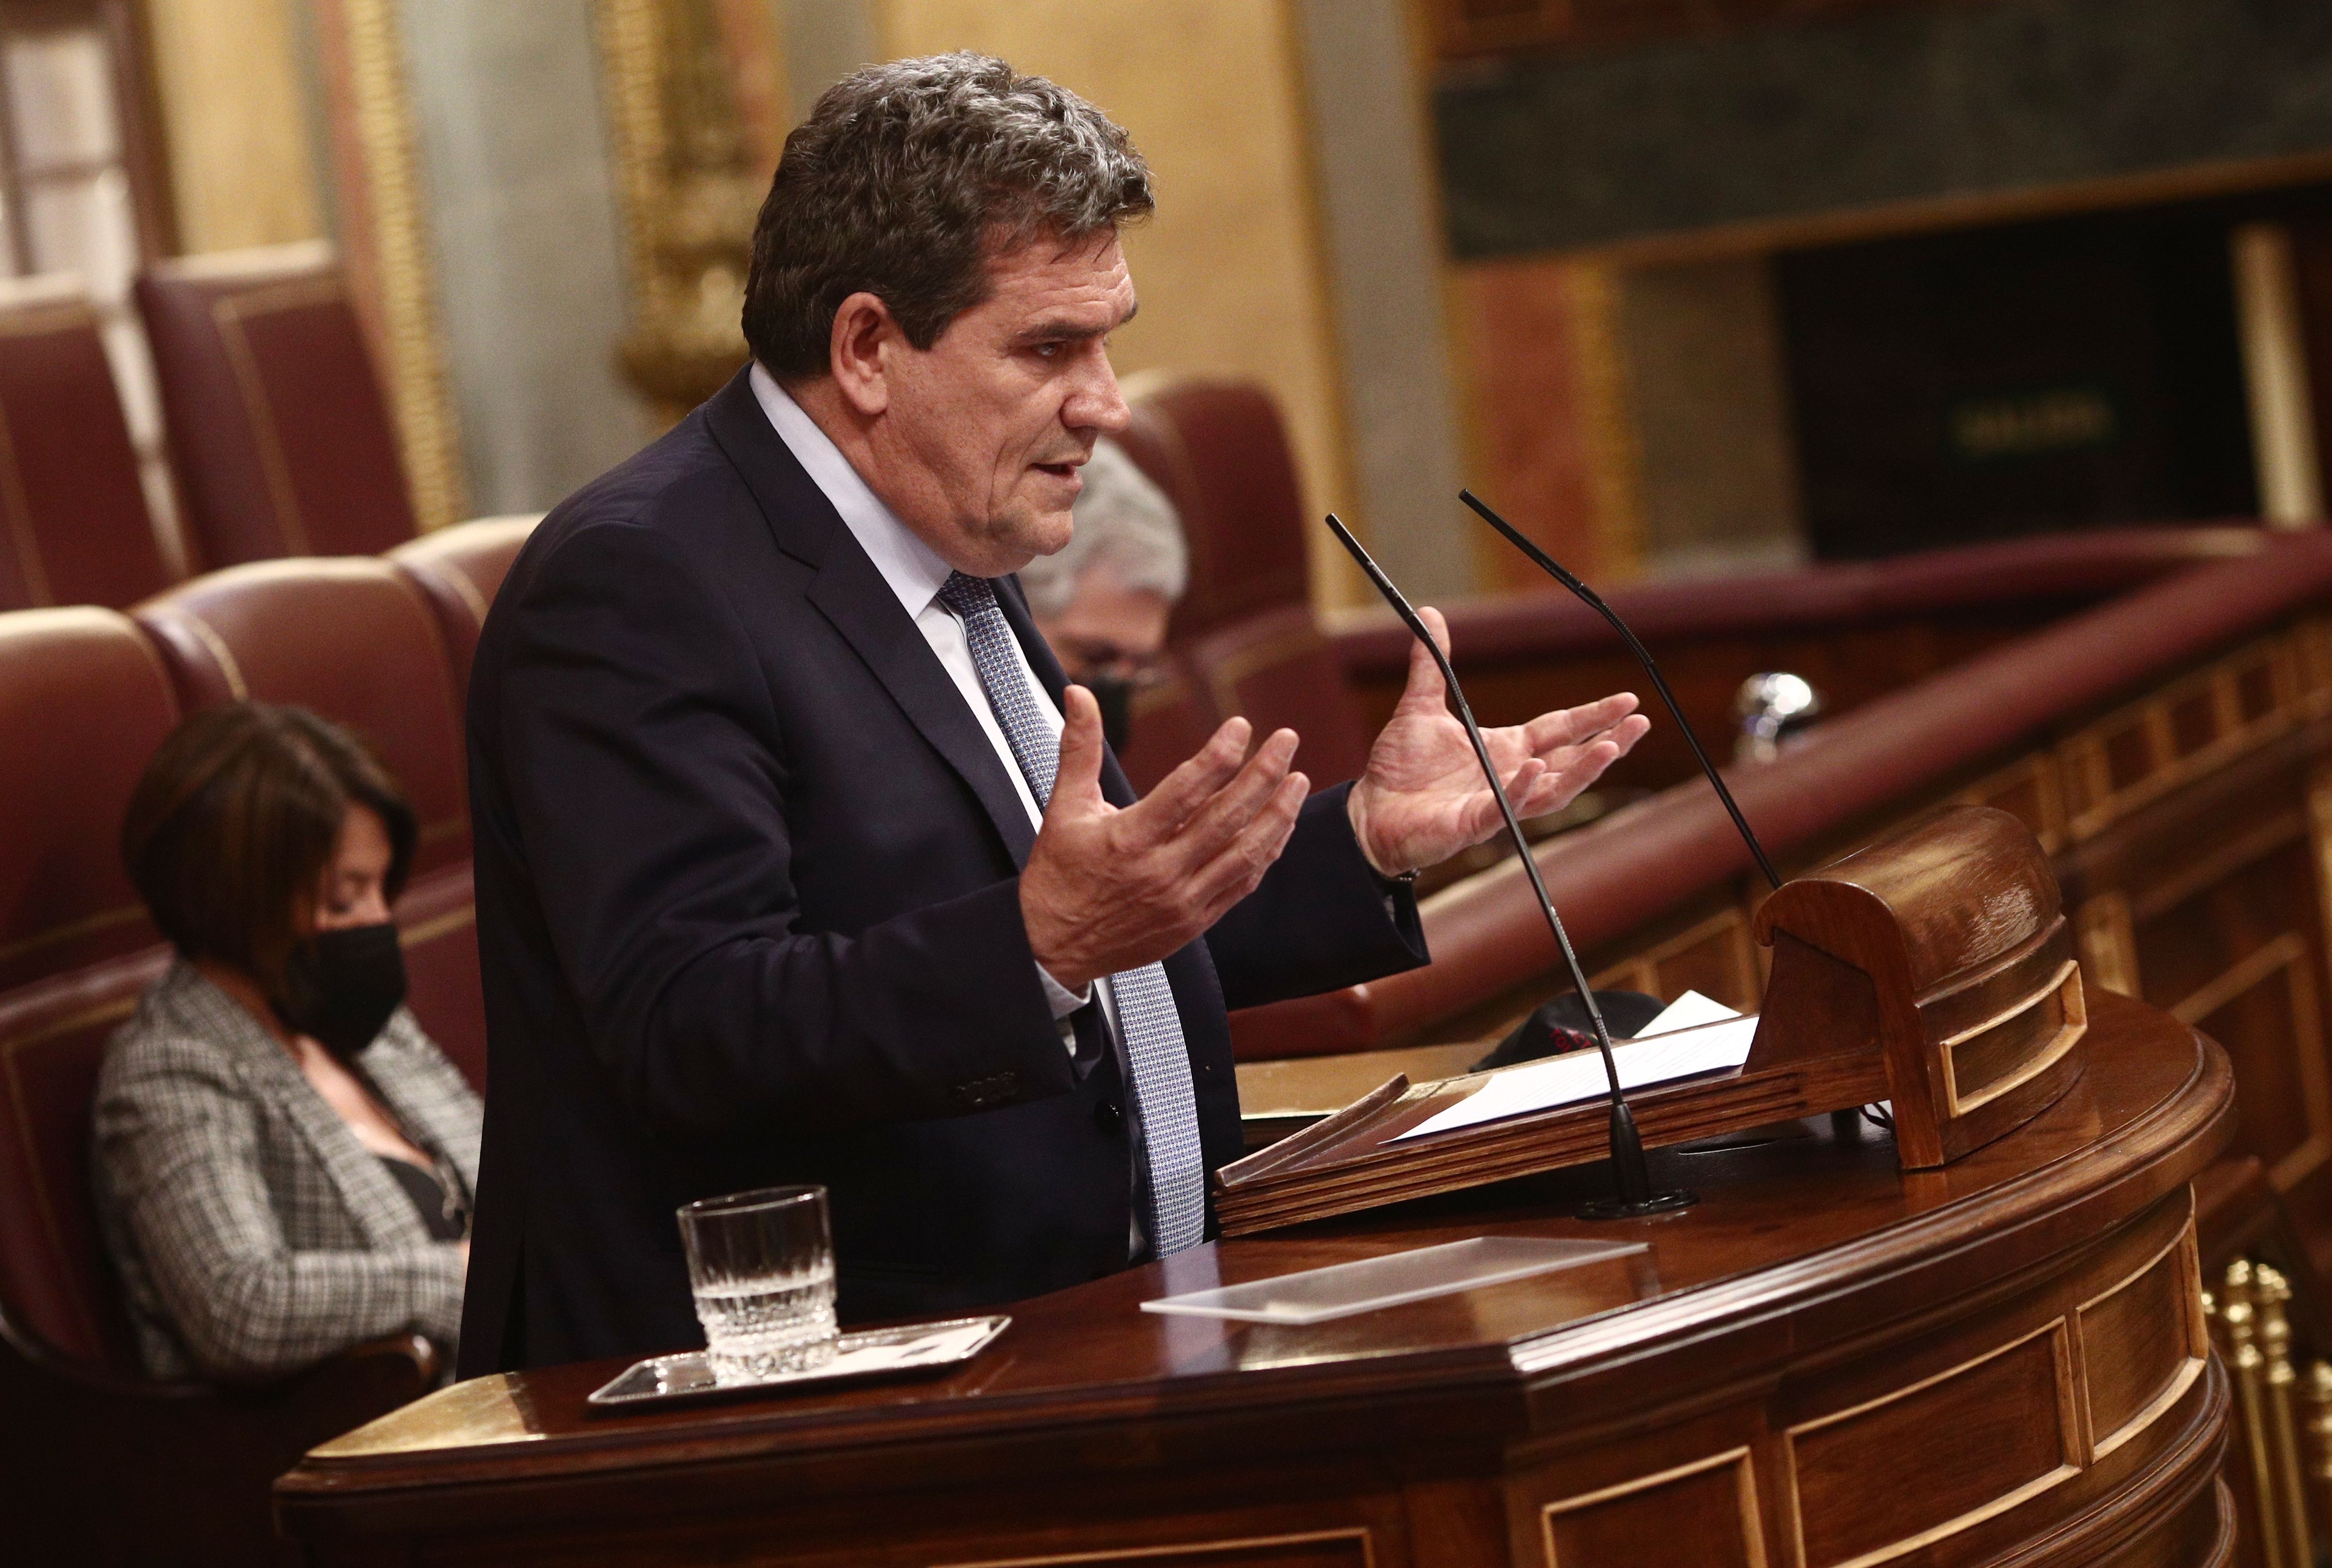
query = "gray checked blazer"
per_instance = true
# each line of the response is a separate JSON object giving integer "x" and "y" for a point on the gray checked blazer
{"x": 253, "y": 1233}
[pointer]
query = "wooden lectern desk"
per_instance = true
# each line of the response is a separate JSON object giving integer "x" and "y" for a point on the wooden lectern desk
{"x": 1832, "y": 1361}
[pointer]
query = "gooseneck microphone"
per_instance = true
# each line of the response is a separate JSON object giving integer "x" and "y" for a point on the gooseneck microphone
{"x": 1629, "y": 1172}
{"x": 1594, "y": 601}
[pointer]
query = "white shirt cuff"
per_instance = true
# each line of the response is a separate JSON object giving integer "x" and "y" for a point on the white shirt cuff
{"x": 1063, "y": 1001}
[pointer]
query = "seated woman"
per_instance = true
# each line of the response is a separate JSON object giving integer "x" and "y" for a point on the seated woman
{"x": 284, "y": 1160}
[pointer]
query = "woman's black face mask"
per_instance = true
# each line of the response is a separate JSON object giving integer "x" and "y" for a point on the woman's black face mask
{"x": 1114, "y": 696}
{"x": 340, "y": 987}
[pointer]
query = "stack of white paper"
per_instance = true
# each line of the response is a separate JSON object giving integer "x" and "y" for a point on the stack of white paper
{"x": 1693, "y": 1036}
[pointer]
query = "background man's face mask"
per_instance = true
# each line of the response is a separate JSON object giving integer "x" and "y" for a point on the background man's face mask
{"x": 1115, "y": 694}
{"x": 340, "y": 987}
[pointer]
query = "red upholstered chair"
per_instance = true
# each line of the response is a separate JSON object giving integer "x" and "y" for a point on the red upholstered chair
{"x": 73, "y": 524}
{"x": 460, "y": 569}
{"x": 278, "y": 428}
{"x": 1276, "y": 670}
{"x": 1170, "y": 719}
{"x": 1218, "y": 449}
{"x": 108, "y": 1466}
{"x": 1244, "y": 632}
{"x": 355, "y": 640}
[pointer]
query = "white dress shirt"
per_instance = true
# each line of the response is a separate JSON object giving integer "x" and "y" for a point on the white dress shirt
{"x": 916, "y": 574}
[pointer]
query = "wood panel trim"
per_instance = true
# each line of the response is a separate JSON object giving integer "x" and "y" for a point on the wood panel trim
{"x": 1181, "y": 1549}
{"x": 1644, "y": 968}
{"x": 2084, "y": 752}
{"x": 2258, "y": 844}
{"x": 2245, "y": 974}
{"x": 2067, "y": 985}
{"x": 2286, "y": 954}
{"x": 2072, "y": 1423}
{"x": 1753, "y": 1524}
{"x": 2198, "y": 1337}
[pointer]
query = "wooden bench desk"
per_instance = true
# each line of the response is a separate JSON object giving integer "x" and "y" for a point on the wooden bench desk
{"x": 1827, "y": 1362}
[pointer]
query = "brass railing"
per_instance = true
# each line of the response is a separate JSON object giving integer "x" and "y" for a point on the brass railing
{"x": 2279, "y": 1459}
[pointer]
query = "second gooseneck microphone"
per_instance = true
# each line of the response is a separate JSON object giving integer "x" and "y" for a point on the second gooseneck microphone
{"x": 1629, "y": 1172}
{"x": 1594, "y": 601}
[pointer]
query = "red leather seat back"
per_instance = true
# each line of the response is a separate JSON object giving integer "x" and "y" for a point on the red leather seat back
{"x": 357, "y": 642}
{"x": 353, "y": 639}
{"x": 55, "y": 1282}
{"x": 437, "y": 920}
{"x": 83, "y": 703}
{"x": 281, "y": 435}
{"x": 1170, "y": 720}
{"x": 460, "y": 569}
{"x": 73, "y": 524}
{"x": 1277, "y": 670}
{"x": 1219, "y": 450}
{"x": 1244, "y": 632}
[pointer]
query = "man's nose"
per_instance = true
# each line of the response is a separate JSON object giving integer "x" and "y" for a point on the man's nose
{"x": 1095, "y": 402}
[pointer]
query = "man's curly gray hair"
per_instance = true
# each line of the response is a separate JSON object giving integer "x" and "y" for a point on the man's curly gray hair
{"x": 901, "y": 181}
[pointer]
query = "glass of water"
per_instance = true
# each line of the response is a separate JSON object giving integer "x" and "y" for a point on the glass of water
{"x": 761, "y": 1265}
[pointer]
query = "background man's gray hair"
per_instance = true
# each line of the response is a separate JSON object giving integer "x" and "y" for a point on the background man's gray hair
{"x": 1125, "y": 524}
{"x": 902, "y": 180}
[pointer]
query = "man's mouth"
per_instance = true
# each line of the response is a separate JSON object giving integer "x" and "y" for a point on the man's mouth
{"x": 1060, "y": 470}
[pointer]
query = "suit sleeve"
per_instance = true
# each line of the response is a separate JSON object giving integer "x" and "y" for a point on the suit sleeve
{"x": 1322, "y": 918}
{"x": 640, "y": 752}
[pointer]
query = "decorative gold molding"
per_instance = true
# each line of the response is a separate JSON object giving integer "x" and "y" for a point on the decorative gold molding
{"x": 628, "y": 53}
{"x": 2271, "y": 1291}
{"x": 689, "y": 190}
{"x": 2315, "y": 1393}
{"x": 384, "y": 229}
{"x": 2237, "y": 1315}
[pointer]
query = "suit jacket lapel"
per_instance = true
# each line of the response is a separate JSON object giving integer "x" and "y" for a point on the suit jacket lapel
{"x": 851, "y": 594}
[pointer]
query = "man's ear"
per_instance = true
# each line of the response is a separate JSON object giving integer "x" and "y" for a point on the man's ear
{"x": 863, "y": 326}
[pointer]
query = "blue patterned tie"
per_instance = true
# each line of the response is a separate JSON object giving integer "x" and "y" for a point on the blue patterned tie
{"x": 1146, "y": 1018}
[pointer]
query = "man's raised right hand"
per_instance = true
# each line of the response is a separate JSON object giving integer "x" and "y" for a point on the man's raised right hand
{"x": 1107, "y": 889}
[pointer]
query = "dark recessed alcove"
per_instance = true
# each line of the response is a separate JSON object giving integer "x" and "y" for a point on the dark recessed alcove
{"x": 2076, "y": 372}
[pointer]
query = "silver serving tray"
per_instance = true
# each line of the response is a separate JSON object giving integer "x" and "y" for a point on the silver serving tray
{"x": 663, "y": 1380}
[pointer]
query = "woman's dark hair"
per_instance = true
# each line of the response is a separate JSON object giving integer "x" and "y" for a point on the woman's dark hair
{"x": 235, "y": 822}
{"x": 902, "y": 180}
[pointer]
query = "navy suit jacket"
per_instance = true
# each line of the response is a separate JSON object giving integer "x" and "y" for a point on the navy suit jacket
{"x": 749, "y": 913}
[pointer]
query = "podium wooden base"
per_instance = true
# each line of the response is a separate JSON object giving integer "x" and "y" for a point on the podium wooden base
{"x": 1830, "y": 1361}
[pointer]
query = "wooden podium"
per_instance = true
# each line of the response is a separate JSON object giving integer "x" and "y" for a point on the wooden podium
{"x": 1986, "y": 1350}
{"x": 1934, "y": 969}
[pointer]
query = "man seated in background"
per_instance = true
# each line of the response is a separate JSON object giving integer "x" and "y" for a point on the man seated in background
{"x": 1104, "y": 600}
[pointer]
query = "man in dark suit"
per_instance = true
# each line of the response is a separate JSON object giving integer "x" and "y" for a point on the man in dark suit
{"x": 799, "y": 861}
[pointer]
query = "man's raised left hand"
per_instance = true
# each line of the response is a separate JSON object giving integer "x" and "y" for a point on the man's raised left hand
{"x": 1423, "y": 799}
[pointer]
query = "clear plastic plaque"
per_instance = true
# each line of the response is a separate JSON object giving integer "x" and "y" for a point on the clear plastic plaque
{"x": 1340, "y": 1290}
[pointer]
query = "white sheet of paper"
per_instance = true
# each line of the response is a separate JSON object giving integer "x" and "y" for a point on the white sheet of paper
{"x": 1689, "y": 1012}
{"x": 1684, "y": 1053}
